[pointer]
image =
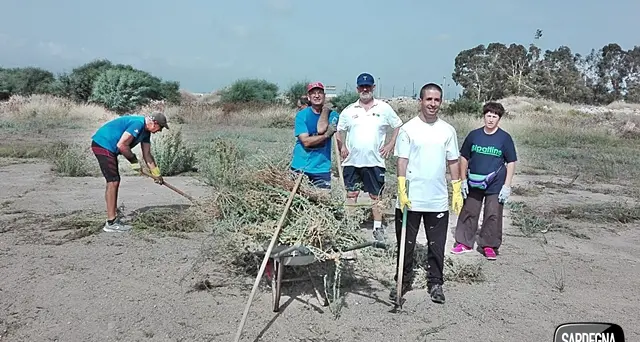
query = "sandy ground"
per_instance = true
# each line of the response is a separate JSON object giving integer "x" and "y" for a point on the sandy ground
{"x": 139, "y": 287}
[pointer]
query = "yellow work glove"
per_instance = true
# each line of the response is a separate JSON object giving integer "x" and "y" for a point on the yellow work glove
{"x": 155, "y": 172}
{"x": 403, "y": 198}
{"x": 456, "y": 200}
{"x": 135, "y": 166}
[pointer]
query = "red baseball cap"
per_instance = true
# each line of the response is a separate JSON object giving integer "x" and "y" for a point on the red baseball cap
{"x": 315, "y": 85}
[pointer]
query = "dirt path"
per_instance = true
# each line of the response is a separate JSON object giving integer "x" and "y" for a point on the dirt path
{"x": 139, "y": 287}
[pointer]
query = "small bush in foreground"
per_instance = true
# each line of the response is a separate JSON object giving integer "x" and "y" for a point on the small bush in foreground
{"x": 173, "y": 156}
{"x": 69, "y": 160}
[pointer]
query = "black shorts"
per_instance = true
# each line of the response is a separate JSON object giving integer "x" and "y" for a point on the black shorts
{"x": 108, "y": 162}
{"x": 369, "y": 179}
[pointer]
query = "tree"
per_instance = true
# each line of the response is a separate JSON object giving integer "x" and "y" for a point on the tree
{"x": 122, "y": 90}
{"x": 250, "y": 90}
{"x": 296, "y": 91}
{"x": 497, "y": 71}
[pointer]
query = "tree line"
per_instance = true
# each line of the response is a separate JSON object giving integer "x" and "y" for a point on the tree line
{"x": 499, "y": 70}
{"x": 118, "y": 87}
{"x": 485, "y": 72}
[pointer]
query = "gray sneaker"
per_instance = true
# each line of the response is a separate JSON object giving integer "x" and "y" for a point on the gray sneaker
{"x": 379, "y": 234}
{"x": 116, "y": 226}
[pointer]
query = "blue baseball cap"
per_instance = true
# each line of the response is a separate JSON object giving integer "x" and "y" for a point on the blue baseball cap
{"x": 365, "y": 79}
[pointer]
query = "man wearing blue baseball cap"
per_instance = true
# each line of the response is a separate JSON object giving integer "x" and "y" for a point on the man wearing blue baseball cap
{"x": 364, "y": 151}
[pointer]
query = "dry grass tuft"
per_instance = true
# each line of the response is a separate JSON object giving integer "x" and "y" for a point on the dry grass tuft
{"x": 45, "y": 111}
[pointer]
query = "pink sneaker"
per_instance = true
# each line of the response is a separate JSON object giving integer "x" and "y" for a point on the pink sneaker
{"x": 460, "y": 248}
{"x": 490, "y": 253}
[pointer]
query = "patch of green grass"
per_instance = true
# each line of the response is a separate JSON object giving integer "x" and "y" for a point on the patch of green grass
{"x": 609, "y": 212}
{"x": 532, "y": 223}
{"x": 22, "y": 150}
{"x": 36, "y": 125}
{"x": 174, "y": 220}
{"x": 69, "y": 160}
{"x": 527, "y": 220}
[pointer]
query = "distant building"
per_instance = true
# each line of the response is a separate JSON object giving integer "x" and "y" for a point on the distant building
{"x": 330, "y": 91}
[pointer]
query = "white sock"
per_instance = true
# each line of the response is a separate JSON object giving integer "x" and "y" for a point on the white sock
{"x": 377, "y": 224}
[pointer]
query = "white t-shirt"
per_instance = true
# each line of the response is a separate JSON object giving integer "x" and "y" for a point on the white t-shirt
{"x": 428, "y": 147}
{"x": 366, "y": 132}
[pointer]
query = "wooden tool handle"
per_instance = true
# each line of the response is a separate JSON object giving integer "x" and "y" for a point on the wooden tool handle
{"x": 274, "y": 239}
{"x": 170, "y": 187}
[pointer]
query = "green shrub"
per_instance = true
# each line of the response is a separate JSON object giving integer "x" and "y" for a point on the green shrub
{"x": 78, "y": 85}
{"x": 219, "y": 163}
{"x": 296, "y": 91}
{"x": 464, "y": 106}
{"x": 344, "y": 99}
{"x": 69, "y": 160}
{"x": 171, "y": 153}
{"x": 250, "y": 90}
{"x": 122, "y": 90}
{"x": 25, "y": 81}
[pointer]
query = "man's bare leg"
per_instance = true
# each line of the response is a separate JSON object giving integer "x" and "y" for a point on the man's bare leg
{"x": 376, "y": 209}
{"x": 111, "y": 196}
{"x": 113, "y": 223}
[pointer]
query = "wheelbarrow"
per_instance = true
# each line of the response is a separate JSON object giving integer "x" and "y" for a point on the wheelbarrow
{"x": 299, "y": 255}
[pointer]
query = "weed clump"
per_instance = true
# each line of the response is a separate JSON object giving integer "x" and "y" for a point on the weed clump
{"x": 249, "y": 202}
{"x": 173, "y": 156}
{"x": 69, "y": 159}
{"x": 170, "y": 220}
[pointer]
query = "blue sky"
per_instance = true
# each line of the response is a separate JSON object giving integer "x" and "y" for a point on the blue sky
{"x": 206, "y": 45}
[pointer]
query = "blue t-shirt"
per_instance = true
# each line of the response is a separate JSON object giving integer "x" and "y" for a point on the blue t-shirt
{"x": 487, "y": 153}
{"x": 110, "y": 133}
{"x": 316, "y": 159}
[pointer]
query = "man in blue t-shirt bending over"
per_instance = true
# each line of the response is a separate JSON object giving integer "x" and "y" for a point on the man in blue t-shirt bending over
{"x": 488, "y": 157}
{"x": 119, "y": 136}
{"x": 314, "y": 127}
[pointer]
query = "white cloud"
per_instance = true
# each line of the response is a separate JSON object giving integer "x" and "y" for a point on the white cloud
{"x": 280, "y": 5}
{"x": 442, "y": 37}
{"x": 240, "y": 31}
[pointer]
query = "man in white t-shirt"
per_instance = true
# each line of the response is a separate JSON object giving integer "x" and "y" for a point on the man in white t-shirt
{"x": 426, "y": 145}
{"x": 366, "y": 122}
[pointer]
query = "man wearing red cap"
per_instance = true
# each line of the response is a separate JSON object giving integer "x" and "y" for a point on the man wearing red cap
{"x": 314, "y": 127}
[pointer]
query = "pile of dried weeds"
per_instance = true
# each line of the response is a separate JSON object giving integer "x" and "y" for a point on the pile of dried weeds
{"x": 249, "y": 209}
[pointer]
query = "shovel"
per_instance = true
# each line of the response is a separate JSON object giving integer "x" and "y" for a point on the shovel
{"x": 403, "y": 239}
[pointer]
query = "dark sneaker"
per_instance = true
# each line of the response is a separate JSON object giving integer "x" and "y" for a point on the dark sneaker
{"x": 393, "y": 294}
{"x": 437, "y": 295}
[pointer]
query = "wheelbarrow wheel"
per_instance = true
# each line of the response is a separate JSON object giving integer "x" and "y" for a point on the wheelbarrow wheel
{"x": 276, "y": 285}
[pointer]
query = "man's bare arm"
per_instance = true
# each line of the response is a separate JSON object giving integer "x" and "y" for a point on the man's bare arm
{"x": 146, "y": 154}
{"x": 123, "y": 146}
{"x": 402, "y": 167}
{"x": 340, "y": 139}
{"x": 311, "y": 141}
{"x": 454, "y": 169}
{"x": 323, "y": 121}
